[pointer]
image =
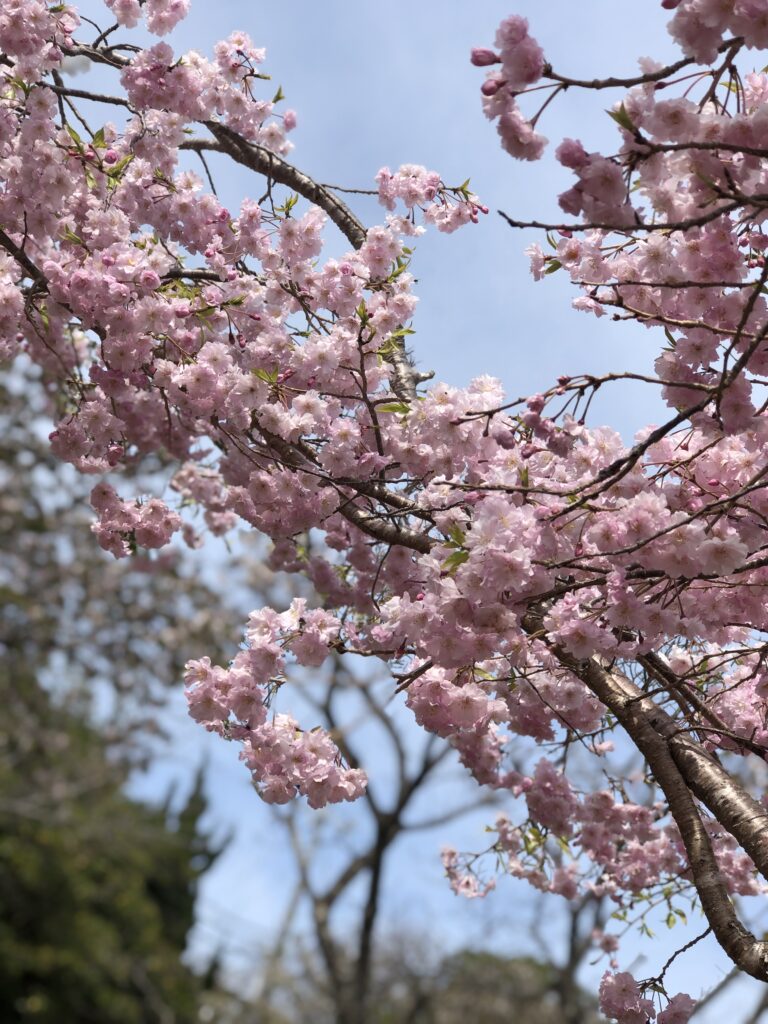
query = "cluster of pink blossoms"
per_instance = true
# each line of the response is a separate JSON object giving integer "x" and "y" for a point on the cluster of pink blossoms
{"x": 34, "y": 35}
{"x": 699, "y": 26}
{"x": 416, "y": 187}
{"x": 161, "y": 15}
{"x": 621, "y": 1000}
{"x": 614, "y": 848}
{"x": 123, "y": 526}
{"x": 198, "y": 89}
{"x": 522, "y": 63}
{"x": 284, "y": 760}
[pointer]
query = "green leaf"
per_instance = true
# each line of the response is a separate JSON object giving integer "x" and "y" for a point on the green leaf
{"x": 68, "y": 235}
{"x": 288, "y": 205}
{"x": 457, "y": 535}
{"x": 114, "y": 173}
{"x": 399, "y": 269}
{"x": 552, "y": 266}
{"x": 622, "y": 118}
{"x": 98, "y": 141}
{"x": 75, "y": 137}
{"x": 532, "y": 839}
{"x": 279, "y": 95}
{"x": 269, "y": 376}
{"x": 399, "y": 407}
{"x": 453, "y": 561}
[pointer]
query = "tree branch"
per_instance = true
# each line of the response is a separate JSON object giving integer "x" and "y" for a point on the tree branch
{"x": 656, "y": 735}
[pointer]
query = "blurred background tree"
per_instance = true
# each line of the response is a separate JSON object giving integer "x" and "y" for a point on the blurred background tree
{"x": 111, "y": 636}
{"x": 97, "y": 891}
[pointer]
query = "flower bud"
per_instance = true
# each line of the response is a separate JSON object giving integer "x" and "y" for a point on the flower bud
{"x": 483, "y": 58}
{"x": 491, "y": 86}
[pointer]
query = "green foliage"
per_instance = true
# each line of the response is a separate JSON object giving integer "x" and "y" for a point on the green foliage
{"x": 96, "y": 891}
{"x": 488, "y": 989}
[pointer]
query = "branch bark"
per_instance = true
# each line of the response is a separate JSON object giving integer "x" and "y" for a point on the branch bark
{"x": 682, "y": 770}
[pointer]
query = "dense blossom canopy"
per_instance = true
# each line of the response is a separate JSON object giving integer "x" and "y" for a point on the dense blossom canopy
{"x": 524, "y": 573}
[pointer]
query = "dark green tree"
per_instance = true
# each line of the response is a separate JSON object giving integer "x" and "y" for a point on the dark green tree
{"x": 97, "y": 891}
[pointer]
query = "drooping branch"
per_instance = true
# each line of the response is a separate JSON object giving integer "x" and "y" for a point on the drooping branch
{"x": 373, "y": 524}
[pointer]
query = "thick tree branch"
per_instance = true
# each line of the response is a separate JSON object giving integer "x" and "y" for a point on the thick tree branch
{"x": 263, "y": 161}
{"x": 656, "y": 735}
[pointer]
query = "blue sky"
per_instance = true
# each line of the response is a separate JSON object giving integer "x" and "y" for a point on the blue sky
{"x": 377, "y": 84}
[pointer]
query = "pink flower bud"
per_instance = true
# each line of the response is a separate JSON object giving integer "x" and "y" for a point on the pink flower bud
{"x": 491, "y": 86}
{"x": 483, "y": 58}
{"x": 114, "y": 454}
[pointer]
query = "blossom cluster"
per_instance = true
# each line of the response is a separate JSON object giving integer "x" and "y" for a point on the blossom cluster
{"x": 161, "y": 15}
{"x": 621, "y": 1000}
{"x": 123, "y": 526}
{"x": 415, "y": 186}
{"x": 284, "y": 760}
{"x": 522, "y": 63}
{"x": 198, "y": 89}
{"x": 35, "y": 35}
{"x": 700, "y": 26}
